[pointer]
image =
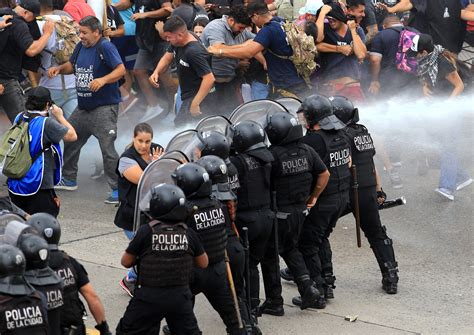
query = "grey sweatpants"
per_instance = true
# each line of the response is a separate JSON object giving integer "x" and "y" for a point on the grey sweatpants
{"x": 101, "y": 123}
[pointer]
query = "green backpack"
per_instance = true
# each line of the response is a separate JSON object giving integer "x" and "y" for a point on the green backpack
{"x": 15, "y": 150}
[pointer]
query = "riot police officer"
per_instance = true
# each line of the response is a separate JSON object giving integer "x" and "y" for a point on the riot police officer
{"x": 166, "y": 250}
{"x": 74, "y": 277}
{"x": 370, "y": 192}
{"x": 297, "y": 167}
{"x": 207, "y": 218}
{"x": 326, "y": 138}
{"x": 42, "y": 277}
{"x": 254, "y": 164}
{"x": 21, "y": 308}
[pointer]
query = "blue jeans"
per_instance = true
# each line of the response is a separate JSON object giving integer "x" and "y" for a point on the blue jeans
{"x": 132, "y": 275}
{"x": 451, "y": 172}
{"x": 259, "y": 90}
{"x": 66, "y": 99}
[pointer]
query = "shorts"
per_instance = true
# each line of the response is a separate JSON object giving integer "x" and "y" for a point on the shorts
{"x": 147, "y": 60}
{"x": 128, "y": 50}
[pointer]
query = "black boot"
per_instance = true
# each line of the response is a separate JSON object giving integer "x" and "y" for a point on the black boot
{"x": 286, "y": 274}
{"x": 270, "y": 308}
{"x": 390, "y": 278}
{"x": 312, "y": 298}
{"x": 329, "y": 286}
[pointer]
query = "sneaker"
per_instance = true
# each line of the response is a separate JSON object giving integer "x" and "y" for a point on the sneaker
{"x": 464, "y": 184}
{"x": 66, "y": 185}
{"x": 113, "y": 198}
{"x": 98, "y": 171}
{"x": 152, "y": 112}
{"x": 395, "y": 178}
{"x": 128, "y": 286}
{"x": 445, "y": 193}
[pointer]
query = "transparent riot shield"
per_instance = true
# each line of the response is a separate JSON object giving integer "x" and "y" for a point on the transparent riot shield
{"x": 12, "y": 227}
{"x": 257, "y": 111}
{"x": 188, "y": 142}
{"x": 291, "y": 104}
{"x": 156, "y": 173}
{"x": 217, "y": 123}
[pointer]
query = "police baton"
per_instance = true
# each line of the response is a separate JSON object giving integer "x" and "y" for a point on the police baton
{"x": 232, "y": 291}
{"x": 245, "y": 242}
{"x": 355, "y": 193}
{"x": 275, "y": 235}
{"x": 393, "y": 203}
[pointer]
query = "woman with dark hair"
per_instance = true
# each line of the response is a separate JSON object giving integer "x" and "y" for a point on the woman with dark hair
{"x": 437, "y": 69}
{"x": 131, "y": 165}
{"x": 34, "y": 192}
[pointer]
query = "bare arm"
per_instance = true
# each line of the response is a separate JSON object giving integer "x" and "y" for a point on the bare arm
{"x": 467, "y": 14}
{"x": 163, "y": 64}
{"x": 375, "y": 61}
{"x": 247, "y": 50}
{"x": 360, "y": 50}
{"x": 128, "y": 260}
{"x": 37, "y": 46}
{"x": 320, "y": 22}
{"x": 456, "y": 81}
{"x": 165, "y": 11}
{"x": 65, "y": 68}
{"x": 123, "y": 4}
{"x": 201, "y": 261}
{"x": 94, "y": 303}
{"x": 58, "y": 114}
{"x": 371, "y": 32}
{"x": 206, "y": 85}
{"x": 321, "y": 183}
{"x": 261, "y": 59}
{"x": 133, "y": 174}
{"x": 402, "y": 6}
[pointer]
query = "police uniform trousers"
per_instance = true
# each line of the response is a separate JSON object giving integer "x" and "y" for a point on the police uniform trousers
{"x": 289, "y": 229}
{"x": 150, "y": 305}
{"x": 213, "y": 283}
{"x": 314, "y": 239}
{"x": 372, "y": 227}
{"x": 259, "y": 224}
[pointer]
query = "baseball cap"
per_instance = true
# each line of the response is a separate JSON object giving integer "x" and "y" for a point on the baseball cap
{"x": 311, "y": 7}
{"x": 31, "y": 5}
{"x": 40, "y": 95}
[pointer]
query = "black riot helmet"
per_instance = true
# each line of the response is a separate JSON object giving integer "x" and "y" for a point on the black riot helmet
{"x": 12, "y": 269}
{"x": 215, "y": 143}
{"x": 36, "y": 251}
{"x": 48, "y": 227}
{"x": 193, "y": 179}
{"x": 344, "y": 109}
{"x": 217, "y": 170}
{"x": 248, "y": 135}
{"x": 283, "y": 128}
{"x": 317, "y": 109}
{"x": 168, "y": 203}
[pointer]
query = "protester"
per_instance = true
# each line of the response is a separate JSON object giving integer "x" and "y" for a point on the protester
{"x": 227, "y": 31}
{"x": 193, "y": 67}
{"x": 78, "y": 9}
{"x": 34, "y": 192}
{"x": 98, "y": 68}
{"x": 19, "y": 45}
{"x": 130, "y": 168}
{"x": 342, "y": 50}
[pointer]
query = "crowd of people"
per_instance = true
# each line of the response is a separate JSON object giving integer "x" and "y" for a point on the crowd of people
{"x": 236, "y": 203}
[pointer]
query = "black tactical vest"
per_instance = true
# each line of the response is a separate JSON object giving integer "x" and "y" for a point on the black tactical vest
{"x": 292, "y": 173}
{"x": 22, "y": 315}
{"x": 233, "y": 177}
{"x": 254, "y": 191}
{"x": 53, "y": 294}
{"x": 73, "y": 309}
{"x": 337, "y": 160}
{"x": 168, "y": 260}
{"x": 209, "y": 221}
{"x": 363, "y": 151}
{"x": 128, "y": 191}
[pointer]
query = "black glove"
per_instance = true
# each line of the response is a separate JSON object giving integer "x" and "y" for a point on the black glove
{"x": 103, "y": 328}
{"x": 381, "y": 196}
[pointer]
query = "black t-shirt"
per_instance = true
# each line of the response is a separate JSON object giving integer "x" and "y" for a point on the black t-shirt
{"x": 114, "y": 19}
{"x": 82, "y": 276}
{"x": 19, "y": 40}
{"x": 147, "y": 36}
{"x": 315, "y": 141}
{"x": 385, "y": 43}
{"x": 441, "y": 19}
{"x": 192, "y": 63}
{"x": 142, "y": 242}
